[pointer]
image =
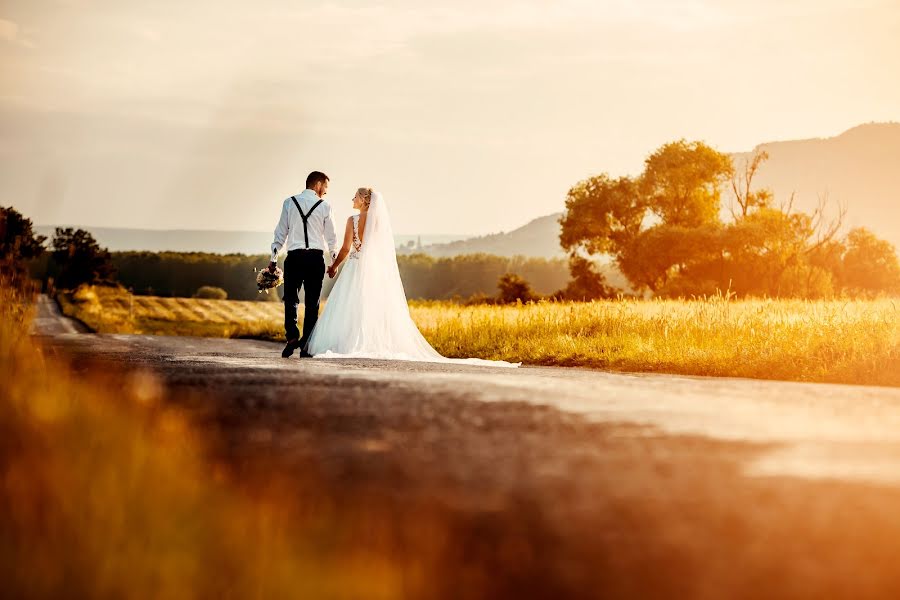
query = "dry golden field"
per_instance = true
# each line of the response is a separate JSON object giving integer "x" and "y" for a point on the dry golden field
{"x": 114, "y": 310}
{"x": 841, "y": 341}
{"x": 826, "y": 341}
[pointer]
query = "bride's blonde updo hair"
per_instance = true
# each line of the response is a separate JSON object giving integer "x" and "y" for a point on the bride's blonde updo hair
{"x": 366, "y": 195}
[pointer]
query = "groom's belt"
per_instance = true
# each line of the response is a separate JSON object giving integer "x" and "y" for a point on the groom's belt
{"x": 306, "y": 251}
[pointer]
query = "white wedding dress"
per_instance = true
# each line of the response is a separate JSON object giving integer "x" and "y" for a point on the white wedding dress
{"x": 366, "y": 314}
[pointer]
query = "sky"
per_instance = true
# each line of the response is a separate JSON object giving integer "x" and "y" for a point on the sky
{"x": 471, "y": 117}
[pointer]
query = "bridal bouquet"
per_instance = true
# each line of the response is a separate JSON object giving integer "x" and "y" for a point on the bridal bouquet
{"x": 267, "y": 280}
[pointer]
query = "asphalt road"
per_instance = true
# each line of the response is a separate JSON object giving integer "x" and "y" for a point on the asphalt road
{"x": 562, "y": 482}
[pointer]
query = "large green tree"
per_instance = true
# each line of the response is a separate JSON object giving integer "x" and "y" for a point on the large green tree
{"x": 603, "y": 216}
{"x": 657, "y": 226}
{"x": 665, "y": 234}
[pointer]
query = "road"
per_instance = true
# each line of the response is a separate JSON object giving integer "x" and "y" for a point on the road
{"x": 603, "y": 484}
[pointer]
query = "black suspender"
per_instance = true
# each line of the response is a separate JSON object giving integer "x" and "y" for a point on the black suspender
{"x": 305, "y": 217}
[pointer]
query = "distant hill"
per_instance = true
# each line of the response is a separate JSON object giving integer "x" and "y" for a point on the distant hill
{"x": 538, "y": 238}
{"x": 860, "y": 167}
{"x": 174, "y": 240}
{"x": 186, "y": 240}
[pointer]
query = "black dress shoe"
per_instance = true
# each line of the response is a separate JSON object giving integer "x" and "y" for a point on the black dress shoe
{"x": 305, "y": 354}
{"x": 289, "y": 348}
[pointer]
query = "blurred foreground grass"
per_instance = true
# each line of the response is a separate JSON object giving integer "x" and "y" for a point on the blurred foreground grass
{"x": 108, "y": 492}
{"x": 836, "y": 341}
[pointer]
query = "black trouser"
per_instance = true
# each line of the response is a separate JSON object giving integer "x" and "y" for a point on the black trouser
{"x": 302, "y": 268}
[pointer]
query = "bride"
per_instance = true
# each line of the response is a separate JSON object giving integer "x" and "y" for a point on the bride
{"x": 366, "y": 315}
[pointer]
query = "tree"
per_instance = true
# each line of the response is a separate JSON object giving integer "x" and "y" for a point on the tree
{"x": 669, "y": 257}
{"x": 602, "y": 215}
{"x": 742, "y": 187}
{"x": 514, "y": 289}
{"x": 18, "y": 243}
{"x": 682, "y": 182}
{"x": 805, "y": 280}
{"x": 760, "y": 247}
{"x": 680, "y": 186}
{"x": 870, "y": 264}
{"x": 77, "y": 258}
{"x": 587, "y": 282}
{"x": 664, "y": 232}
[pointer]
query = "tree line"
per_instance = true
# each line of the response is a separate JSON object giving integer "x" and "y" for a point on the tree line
{"x": 666, "y": 233}
{"x": 75, "y": 257}
{"x": 182, "y": 274}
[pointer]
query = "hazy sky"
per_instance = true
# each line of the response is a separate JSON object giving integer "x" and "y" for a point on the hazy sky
{"x": 471, "y": 117}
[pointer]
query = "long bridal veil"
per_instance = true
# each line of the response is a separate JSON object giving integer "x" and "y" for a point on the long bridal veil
{"x": 367, "y": 315}
{"x": 387, "y": 328}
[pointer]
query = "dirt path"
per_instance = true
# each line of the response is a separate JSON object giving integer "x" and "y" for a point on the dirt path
{"x": 545, "y": 482}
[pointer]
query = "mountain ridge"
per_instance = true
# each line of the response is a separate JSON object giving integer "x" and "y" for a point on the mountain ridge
{"x": 539, "y": 237}
{"x": 859, "y": 167}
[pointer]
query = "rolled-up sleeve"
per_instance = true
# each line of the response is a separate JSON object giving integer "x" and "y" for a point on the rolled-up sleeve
{"x": 330, "y": 235}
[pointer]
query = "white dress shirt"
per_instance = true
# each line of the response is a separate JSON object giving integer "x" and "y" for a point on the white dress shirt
{"x": 319, "y": 226}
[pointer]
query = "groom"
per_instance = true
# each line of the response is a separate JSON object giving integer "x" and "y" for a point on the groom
{"x": 306, "y": 227}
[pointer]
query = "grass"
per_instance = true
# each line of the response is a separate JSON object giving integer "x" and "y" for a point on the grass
{"x": 114, "y": 310}
{"x": 107, "y": 491}
{"x": 825, "y": 341}
{"x": 837, "y": 341}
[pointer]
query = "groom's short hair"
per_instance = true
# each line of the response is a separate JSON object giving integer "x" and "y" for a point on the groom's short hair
{"x": 314, "y": 178}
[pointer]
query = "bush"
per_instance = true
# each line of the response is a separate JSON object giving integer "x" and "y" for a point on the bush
{"x": 210, "y": 292}
{"x": 587, "y": 282}
{"x": 514, "y": 289}
{"x": 478, "y": 299}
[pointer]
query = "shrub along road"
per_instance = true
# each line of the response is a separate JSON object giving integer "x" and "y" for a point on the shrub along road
{"x": 550, "y": 482}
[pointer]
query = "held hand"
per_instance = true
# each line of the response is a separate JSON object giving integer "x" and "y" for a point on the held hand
{"x": 332, "y": 271}
{"x": 272, "y": 266}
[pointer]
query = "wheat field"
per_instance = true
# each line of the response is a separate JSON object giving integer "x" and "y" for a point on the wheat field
{"x": 114, "y": 310}
{"x": 825, "y": 341}
{"x": 838, "y": 341}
